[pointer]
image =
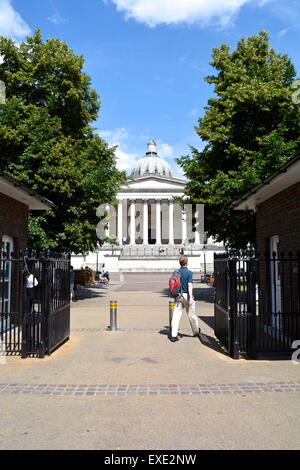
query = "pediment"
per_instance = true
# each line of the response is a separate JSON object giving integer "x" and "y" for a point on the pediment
{"x": 154, "y": 183}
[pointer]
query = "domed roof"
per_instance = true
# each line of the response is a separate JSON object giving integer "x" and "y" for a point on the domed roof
{"x": 151, "y": 164}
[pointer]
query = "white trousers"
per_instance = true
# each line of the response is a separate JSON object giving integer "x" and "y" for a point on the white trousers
{"x": 178, "y": 309}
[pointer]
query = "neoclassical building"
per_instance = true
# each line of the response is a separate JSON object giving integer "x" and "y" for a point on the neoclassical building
{"x": 149, "y": 224}
{"x": 147, "y": 211}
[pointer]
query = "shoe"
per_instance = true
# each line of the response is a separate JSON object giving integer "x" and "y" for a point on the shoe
{"x": 174, "y": 339}
{"x": 198, "y": 334}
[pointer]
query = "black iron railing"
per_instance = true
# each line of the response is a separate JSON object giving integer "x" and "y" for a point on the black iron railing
{"x": 34, "y": 302}
{"x": 257, "y": 302}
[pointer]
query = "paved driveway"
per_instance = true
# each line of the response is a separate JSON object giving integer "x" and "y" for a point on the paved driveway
{"x": 134, "y": 389}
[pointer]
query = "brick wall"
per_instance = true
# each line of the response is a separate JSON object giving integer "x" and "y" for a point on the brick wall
{"x": 280, "y": 215}
{"x": 14, "y": 221}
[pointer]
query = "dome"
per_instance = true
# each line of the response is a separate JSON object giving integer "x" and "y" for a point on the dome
{"x": 151, "y": 164}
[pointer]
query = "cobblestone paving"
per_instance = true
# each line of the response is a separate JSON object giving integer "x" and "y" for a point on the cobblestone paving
{"x": 116, "y": 390}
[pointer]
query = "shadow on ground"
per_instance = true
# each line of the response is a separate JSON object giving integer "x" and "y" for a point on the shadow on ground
{"x": 211, "y": 343}
{"x": 210, "y": 321}
{"x": 206, "y": 340}
{"x": 90, "y": 292}
{"x": 200, "y": 294}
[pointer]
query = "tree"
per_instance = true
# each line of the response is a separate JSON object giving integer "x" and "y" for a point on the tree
{"x": 251, "y": 127}
{"x": 47, "y": 142}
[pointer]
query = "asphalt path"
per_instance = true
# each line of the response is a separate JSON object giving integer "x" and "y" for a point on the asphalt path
{"x": 145, "y": 282}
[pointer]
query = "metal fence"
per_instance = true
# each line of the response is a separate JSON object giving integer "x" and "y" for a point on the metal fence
{"x": 34, "y": 302}
{"x": 257, "y": 303}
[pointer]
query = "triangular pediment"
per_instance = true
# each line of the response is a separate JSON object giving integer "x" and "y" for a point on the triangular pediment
{"x": 154, "y": 183}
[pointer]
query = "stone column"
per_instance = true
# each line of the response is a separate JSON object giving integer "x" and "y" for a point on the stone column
{"x": 120, "y": 222}
{"x": 171, "y": 222}
{"x": 197, "y": 238}
{"x": 183, "y": 226}
{"x": 132, "y": 222}
{"x": 145, "y": 222}
{"x": 158, "y": 226}
{"x": 196, "y": 226}
{"x": 107, "y": 229}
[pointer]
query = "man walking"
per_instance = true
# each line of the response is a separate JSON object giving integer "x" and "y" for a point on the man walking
{"x": 185, "y": 301}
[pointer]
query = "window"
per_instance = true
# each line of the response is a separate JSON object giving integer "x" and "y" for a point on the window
{"x": 5, "y": 274}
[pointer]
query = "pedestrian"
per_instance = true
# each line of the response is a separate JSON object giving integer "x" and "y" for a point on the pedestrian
{"x": 184, "y": 301}
{"x": 72, "y": 283}
{"x": 105, "y": 277}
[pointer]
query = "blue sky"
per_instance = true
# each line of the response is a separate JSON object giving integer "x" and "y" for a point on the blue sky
{"x": 147, "y": 58}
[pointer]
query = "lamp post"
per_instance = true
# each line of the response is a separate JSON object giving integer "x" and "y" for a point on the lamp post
{"x": 204, "y": 251}
{"x": 97, "y": 252}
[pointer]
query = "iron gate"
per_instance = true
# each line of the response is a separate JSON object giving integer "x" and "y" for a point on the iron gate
{"x": 34, "y": 302}
{"x": 257, "y": 303}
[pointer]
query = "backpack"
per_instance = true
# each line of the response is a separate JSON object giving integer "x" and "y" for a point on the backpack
{"x": 175, "y": 287}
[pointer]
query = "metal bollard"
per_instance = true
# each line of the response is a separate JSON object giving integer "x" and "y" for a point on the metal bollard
{"x": 171, "y": 311}
{"x": 113, "y": 315}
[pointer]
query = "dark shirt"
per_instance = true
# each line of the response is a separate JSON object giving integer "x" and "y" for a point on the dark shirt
{"x": 72, "y": 277}
{"x": 186, "y": 277}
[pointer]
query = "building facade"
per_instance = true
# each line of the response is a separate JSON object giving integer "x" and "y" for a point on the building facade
{"x": 15, "y": 203}
{"x": 276, "y": 203}
{"x": 149, "y": 224}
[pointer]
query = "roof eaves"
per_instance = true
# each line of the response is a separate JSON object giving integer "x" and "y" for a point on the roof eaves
{"x": 28, "y": 190}
{"x": 267, "y": 181}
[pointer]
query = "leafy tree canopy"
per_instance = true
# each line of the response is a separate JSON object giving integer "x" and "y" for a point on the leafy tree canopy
{"x": 251, "y": 127}
{"x": 48, "y": 144}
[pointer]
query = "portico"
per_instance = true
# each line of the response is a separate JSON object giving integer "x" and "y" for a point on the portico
{"x": 151, "y": 219}
{"x": 148, "y": 228}
{"x": 147, "y": 211}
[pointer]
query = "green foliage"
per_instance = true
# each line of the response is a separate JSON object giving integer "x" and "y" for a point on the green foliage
{"x": 47, "y": 143}
{"x": 251, "y": 128}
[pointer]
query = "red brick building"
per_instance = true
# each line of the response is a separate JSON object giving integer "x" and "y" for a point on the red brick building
{"x": 15, "y": 203}
{"x": 276, "y": 203}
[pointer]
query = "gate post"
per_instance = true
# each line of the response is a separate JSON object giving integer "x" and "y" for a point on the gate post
{"x": 24, "y": 347}
{"x": 44, "y": 307}
{"x": 234, "y": 345}
{"x": 251, "y": 307}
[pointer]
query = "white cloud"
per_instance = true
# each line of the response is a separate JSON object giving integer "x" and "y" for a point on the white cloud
{"x": 282, "y": 32}
{"x": 56, "y": 18}
{"x": 125, "y": 159}
{"x": 11, "y": 23}
{"x": 193, "y": 113}
{"x": 114, "y": 136}
{"x": 165, "y": 150}
{"x": 204, "y": 12}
